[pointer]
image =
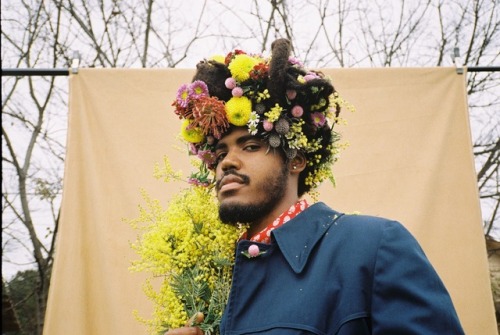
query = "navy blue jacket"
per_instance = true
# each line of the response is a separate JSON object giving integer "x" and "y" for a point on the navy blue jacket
{"x": 329, "y": 273}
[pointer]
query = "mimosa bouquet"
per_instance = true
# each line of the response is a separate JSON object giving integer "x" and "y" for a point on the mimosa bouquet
{"x": 191, "y": 253}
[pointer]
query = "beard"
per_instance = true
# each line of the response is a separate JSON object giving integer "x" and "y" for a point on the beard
{"x": 274, "y": 187}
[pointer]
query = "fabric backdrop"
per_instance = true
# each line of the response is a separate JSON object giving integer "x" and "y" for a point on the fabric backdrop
{"x": 409, "y": 159}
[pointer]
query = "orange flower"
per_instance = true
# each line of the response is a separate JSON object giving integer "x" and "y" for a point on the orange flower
{"x": 210, "y": 116}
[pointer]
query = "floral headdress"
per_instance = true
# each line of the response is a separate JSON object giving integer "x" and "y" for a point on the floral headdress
{"x": 276, "y": 98}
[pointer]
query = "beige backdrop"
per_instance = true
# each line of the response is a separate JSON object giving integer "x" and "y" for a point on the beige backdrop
{"x": 409, "y": 159}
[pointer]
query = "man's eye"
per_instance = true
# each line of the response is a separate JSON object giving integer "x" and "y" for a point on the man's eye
{"x": 252, "y": 147}
{"x": 220, "y": 156}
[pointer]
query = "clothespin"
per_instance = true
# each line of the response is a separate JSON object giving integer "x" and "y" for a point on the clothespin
{"x": 457, "y": 60}
{"x": 75, "y": 62}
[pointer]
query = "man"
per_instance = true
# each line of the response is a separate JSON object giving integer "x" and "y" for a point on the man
{"x": 300, "y": 269}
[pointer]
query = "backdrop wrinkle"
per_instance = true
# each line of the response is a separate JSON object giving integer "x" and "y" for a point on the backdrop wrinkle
{"x": 410, "y": 159}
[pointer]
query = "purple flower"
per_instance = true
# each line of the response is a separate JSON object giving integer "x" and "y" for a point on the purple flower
{"x": 183, "y": 95}
{"x": 193, "y": 181}
{"x": 294, "y": 61}
{"x": 193, "y": 149}
{"x": 199, "y": 179}
{"x": 197, "y": 89}
{"x": 318, "y": 119}
{"x": 197, "y": 182}
{"x": 207, "y": 156}
{"x": 310, "y": 76}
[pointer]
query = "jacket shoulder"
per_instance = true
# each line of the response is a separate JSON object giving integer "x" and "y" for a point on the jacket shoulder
{"x": 356, "y": 222}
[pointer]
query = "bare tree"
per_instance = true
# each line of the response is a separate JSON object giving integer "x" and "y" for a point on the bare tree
{"x": 424, "y": 33}
{"x": 27, "y": 135}
{"x": 479, "y": 33}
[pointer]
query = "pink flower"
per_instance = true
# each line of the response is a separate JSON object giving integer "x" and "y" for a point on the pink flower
{"x": 198, "y": 89}
{"x": 193, "y": 149}
{"x": 318, "y": 119}
{"x": 206, "y": 156}
{"x": 230, "y": 83}
{"x": 297, "y": 111}
{"x": 310, "y": 76}
{"x": 294, "y": 61}
{"x": 253, "y": 250}
{"x": 237, "y": 92}
{"x": 291, "y": 94}
{"x": 183, "y": 95}
{"x": 197, "y": 182}
{"x": 268, "y": 126}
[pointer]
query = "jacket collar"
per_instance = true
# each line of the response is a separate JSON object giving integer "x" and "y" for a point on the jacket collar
{"x": 298, "y": 237}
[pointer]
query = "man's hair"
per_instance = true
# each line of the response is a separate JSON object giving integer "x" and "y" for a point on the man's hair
{"x": 276, "y": 98}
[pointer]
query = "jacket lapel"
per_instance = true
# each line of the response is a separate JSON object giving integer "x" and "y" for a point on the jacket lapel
{"x": 298, "y": 237}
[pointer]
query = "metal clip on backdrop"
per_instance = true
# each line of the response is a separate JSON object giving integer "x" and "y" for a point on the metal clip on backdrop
{"x": 75, "y": 64}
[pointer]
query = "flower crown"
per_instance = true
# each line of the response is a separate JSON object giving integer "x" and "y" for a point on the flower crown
{"x": 276, "y": 98}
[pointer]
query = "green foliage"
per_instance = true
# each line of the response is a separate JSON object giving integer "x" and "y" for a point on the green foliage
{"x": 23, "y": 293}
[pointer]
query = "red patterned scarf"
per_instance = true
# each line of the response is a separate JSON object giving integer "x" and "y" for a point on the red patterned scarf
{"x": 264, "y": 236}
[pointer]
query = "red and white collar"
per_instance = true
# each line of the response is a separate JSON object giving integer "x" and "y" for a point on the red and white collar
{"x": 264, "y": 236}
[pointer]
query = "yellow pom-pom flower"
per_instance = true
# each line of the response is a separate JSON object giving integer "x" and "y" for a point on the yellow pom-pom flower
{"x": 238, "y": 110}
{"x": 241, "y": 66}
{"x": 191, "y": 134}
{"x": 218, "y": 58}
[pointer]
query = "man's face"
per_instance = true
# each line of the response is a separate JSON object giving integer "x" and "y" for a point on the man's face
{"x": 250, "y": 180}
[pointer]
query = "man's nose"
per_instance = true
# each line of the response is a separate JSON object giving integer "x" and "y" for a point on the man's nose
{"x": 230, "y": 161}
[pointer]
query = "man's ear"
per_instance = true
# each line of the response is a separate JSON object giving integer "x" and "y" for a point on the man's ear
{"x": 298, "y": 163}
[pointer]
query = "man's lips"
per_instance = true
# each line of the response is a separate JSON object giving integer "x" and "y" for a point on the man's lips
{"x": 231, "y": 181}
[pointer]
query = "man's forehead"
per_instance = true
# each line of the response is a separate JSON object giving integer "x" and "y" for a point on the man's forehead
{"x": 238, "y": 135}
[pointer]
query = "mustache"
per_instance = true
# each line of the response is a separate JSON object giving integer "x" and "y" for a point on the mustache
{"x": 244, "y": 178}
